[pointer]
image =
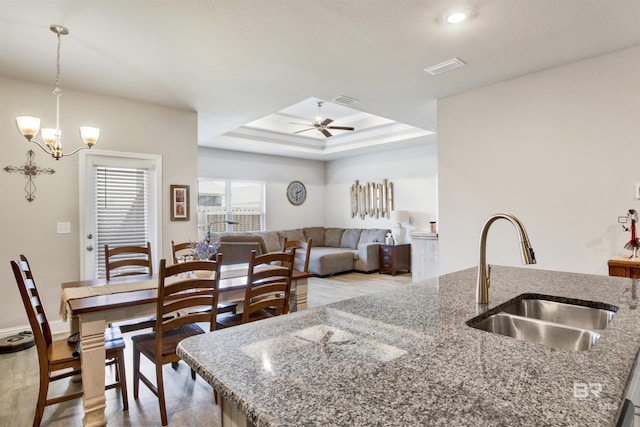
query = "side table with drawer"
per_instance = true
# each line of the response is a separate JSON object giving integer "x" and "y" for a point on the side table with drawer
{"x": 393, "y": 258}
{"x": 624, "y": 267}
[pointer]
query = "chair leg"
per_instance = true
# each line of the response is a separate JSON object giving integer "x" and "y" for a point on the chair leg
{"x": 122, "y": 379}
{"x": 160, "y": 386}
{"x": 136, "y": 371}
{"x": 42, "y": 398}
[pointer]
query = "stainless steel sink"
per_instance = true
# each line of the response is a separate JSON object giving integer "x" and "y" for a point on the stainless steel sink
{"x": 539, "y": 332}
{"x": 578, "y": 316}
{"x": 548, "y": 320}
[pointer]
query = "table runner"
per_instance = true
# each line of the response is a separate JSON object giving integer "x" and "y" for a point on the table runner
{"x": 114, "y": 288}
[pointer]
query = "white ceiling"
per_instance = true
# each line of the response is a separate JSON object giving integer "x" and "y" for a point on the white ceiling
{"x": 238, "y": 61}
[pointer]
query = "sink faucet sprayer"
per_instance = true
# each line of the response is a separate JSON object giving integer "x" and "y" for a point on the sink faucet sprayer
{"x": 484, "y": 270}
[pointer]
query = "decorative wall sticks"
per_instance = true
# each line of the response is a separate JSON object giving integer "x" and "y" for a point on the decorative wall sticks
{"x": 373, "y": 199}
{"x": 30, "y": 170}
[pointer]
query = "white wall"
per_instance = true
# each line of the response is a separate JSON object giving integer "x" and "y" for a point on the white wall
{"x": 30, "y": 228}
{"x": 558, "y": 148}
{"x": 277, "y": 172}
{"x": 413, "y": 172}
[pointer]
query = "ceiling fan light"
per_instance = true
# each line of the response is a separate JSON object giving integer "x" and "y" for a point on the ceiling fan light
{"x": 28, "y": 126}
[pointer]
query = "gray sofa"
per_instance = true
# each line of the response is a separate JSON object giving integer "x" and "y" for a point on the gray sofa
{"x": 333, "y": 250}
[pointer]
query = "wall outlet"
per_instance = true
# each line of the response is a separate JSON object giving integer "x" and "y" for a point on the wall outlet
{"x": 64, "y": 228}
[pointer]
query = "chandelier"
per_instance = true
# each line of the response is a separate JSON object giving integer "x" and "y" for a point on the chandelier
{"x": 29, "y": 126}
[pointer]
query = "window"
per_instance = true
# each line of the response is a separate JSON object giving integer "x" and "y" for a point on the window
{"x": 120, "y": 204}
{"x": 220, "y": 201}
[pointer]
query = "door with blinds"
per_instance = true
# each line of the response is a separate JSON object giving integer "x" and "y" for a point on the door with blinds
{"x": 120, "y": 199}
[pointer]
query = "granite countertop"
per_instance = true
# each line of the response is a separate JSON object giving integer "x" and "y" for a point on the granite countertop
{"x": 406, "y": 357}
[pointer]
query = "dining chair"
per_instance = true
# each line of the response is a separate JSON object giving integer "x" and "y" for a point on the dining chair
{"x": 176, "y": 249}
{"x": 268, "y": 288}
{"x": 176, "y": 293}
{"x": 303, "y": 249}
{"x": 179, "y": 248}
{"x": 56, "y": 358}
{"x": 128, "y": 260}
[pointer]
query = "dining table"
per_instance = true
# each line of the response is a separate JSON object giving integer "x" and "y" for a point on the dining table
{"x": 90, "y": 305}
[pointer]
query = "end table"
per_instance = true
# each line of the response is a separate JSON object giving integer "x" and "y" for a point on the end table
{"x": 393, "y": 258}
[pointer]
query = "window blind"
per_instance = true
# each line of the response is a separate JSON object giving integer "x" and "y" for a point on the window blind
{"x": 122, "y": 209}
{"x": 240, "y": 201}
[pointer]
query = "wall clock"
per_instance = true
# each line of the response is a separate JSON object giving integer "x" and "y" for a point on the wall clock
{"x": 296, "y": 193}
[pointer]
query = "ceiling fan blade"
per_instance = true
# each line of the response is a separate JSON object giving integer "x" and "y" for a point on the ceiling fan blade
{"x": 340, "y": 127}
{"x": 303, "y": 130}
{"x": 298, "y": 123}
{"x": 326, "y": 133}
{"x": 326, "y": 122}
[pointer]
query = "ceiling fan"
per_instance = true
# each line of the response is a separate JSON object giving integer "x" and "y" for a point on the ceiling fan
{"x": 322, "y": 125}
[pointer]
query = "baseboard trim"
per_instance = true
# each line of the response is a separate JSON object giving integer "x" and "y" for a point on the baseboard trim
{"x": 58, "y": 327}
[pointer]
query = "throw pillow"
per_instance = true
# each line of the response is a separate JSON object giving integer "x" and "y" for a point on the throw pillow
{"x": 332, "y": 237}
{"x": 372, "y": 235}
{"x": 295, "y": 234}
{"x": 271, "y": 240}
{"x": 350, "y": 238}
{"x": 315, "y": 233}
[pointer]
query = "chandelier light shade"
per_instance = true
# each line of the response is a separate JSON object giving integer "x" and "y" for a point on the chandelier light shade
{"x": 52, "y": 137}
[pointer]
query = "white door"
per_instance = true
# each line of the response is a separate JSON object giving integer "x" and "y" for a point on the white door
{"x": 120, "y": 203}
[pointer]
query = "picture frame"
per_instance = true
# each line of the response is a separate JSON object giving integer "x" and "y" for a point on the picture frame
{"x": 179, "y": 202}
{"x": 638, "y": 191}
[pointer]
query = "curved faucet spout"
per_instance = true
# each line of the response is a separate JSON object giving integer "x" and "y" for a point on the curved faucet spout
{"x": 484, "y": 270}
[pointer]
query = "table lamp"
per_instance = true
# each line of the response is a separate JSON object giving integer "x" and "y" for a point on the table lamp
{"x": 398, "y": 218}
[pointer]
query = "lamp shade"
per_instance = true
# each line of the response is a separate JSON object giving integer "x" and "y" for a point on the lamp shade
{"x": 399, "y": 217}
{"x": 29, "y": 126}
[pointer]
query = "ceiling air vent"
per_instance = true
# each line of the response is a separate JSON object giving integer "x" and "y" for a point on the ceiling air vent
{"x": 345, "y": 100}
{"x": 445, "y": 66}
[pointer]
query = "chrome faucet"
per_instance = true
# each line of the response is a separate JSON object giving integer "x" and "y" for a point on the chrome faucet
{"x": 484, "y": 270}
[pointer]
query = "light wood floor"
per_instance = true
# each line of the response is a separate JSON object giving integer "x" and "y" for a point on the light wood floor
{"x": 189, "y": 403}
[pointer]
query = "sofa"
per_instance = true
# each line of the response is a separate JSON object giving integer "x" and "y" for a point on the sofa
{"x": 333, "y": 250}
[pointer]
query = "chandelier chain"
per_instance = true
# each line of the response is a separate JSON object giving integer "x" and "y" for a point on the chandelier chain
{"x": 57, "y": 90}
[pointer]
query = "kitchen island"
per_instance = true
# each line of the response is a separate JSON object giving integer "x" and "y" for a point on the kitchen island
{"x": 407, "y": 357}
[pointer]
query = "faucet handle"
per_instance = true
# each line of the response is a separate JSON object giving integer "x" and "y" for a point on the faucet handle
{"x": 488, "y": 275}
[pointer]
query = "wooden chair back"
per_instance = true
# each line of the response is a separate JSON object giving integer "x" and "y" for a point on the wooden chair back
{"x": 198, "y": 292}
{"x": 178, "y": 249}
{"x": 303, "y": 249}
{"x": 179, "y": 291}
{"x": 131, "y": 259}
{"x": 268, "y": 283}
{"x": 56, "y": 358}
{"x": 35, "y": 311}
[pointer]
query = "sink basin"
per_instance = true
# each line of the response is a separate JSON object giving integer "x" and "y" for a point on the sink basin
{"x": 578, "y": 316}
{"x": 539, "y": 332}
{"x": 562, "y": 323}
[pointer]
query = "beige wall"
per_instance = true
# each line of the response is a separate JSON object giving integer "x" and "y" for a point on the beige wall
{"x": 30, "y": 228}
{"x": 560, "y": 149}
{"x": 277, "y": 172}
{"x": 413, "y": 172}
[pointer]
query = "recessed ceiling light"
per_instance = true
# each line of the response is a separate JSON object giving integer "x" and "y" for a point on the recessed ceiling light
{"x": 456, "y": 17}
